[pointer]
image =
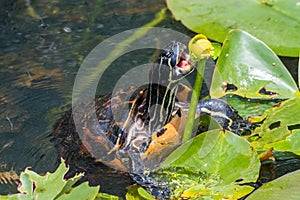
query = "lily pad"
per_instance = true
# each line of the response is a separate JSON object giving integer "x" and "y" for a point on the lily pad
{"x": 225, "y": 161}
{"x": 281, "y": 127}
{"x": 277, "y": 23}
{"x": 136, "y": 192}
{"x": 36, "y": 186}
{"x": 54, "y": 186}
{"x": 83, "y": 191}
{"x": 248, "y": 68}
{"x": 285, "y": 187}
{"x": 187, "y": 182}
{"x": 291, "y": 143}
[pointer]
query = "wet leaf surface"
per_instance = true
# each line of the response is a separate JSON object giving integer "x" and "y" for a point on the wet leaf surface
{"x": 248, "y": 68}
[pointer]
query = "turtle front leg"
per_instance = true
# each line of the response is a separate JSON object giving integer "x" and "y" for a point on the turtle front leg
{"x": 225, "y": 115}
{"x": 165, "y": 140}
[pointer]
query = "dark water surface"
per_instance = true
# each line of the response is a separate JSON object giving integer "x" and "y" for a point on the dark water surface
{"x": 42, "y": 44}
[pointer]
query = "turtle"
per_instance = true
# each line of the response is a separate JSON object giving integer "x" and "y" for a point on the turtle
{"x": 150, "y": 126}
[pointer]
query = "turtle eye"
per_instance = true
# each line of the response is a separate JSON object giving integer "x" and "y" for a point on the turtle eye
{"x": 169, "y": 58}
{"x": 167, "y": 54}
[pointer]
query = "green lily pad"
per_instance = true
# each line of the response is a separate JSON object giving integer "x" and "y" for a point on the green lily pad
{"x": 225, "y": 161}
{"x": 281, "y": 127}
{"x": 104, "y": 196}
{"x": 48, "y": 186}
{"x": 83, "y": 191}
{"x": 277, "y": 23}
{"x": 248, "y": 68}
{"x": 54, "y": 186}
{"x": 291, "y": 143}
{"x": 136, "y": 192}
{"x": 285, "y": 187}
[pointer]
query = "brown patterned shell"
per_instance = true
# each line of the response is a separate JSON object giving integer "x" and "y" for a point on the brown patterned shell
{"x": 70, "y": 147}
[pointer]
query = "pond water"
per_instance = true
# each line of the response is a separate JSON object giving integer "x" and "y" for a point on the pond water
{"x": 42, "y": 46}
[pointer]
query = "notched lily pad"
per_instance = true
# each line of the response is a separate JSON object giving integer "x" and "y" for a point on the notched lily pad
{"x": 54, "y": 186}
{"x": 280, "y": 128}
{"x": 291, "y": 143}
{"x": 250, "y": 69}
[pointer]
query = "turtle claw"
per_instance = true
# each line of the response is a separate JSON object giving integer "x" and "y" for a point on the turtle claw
{"x": 116, "y": 147}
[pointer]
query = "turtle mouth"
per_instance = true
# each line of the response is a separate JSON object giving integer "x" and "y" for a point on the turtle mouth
{"x": 185, "y": 64}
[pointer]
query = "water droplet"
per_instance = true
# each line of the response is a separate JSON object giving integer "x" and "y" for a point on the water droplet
{"x": 273, "y": 64}
{"x": 67, "y": 29}
{"x": 100, "y": 26}
{"x": 226, "y": 55}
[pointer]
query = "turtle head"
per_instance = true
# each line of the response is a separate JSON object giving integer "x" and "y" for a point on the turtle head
{"x": 172, "y": 66}
{"x": 174, "y": 61}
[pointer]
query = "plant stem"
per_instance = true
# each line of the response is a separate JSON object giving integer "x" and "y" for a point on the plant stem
{"x": 188, "y": 131}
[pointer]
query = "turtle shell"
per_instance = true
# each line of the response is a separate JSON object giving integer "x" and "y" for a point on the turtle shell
{"x": 78, "y": 151}
{"x": 74, "y": 150}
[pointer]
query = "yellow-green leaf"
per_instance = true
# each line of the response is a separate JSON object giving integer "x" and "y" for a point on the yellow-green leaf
{"x": 280, "y": 128}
